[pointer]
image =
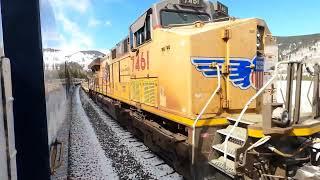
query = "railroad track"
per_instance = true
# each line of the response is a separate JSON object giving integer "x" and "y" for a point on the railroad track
{"x": 130, "y": 157}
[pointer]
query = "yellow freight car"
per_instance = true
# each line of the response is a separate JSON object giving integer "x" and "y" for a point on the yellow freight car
{"x": 181, "y": 77}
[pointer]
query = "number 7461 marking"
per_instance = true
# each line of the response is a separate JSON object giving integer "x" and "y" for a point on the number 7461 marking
{"x": 140, "y": 63}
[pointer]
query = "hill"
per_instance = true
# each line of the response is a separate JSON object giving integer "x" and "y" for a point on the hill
{"x": 54, "y": 57}
{"x": 299, "y": 47}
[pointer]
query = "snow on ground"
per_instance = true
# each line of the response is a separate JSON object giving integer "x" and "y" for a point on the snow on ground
{"x": 131, "y": 158}
{"x": 63, "y": 136}
{"x": 87, "y": 159}
{"x": 56, "y": 105}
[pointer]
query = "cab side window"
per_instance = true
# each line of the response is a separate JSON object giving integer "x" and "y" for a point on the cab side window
{"x": 148, "y": 27}
{"x": 140, "y": 31}
{"x": 113, "y": 53}
{"x": 125, "y": 45}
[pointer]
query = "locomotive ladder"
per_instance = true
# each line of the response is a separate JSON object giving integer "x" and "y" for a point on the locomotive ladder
{"x": 236, "y": 140}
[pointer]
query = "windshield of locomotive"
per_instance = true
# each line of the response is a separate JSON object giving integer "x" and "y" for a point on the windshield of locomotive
{"x": 182, "y": 17}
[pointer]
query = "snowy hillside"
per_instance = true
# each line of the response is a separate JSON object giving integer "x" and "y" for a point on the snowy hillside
{"x": 54, "y": 57}
{"x": 299, "y": 47}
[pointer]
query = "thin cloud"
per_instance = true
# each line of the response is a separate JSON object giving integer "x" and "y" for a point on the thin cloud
{"x": 72, "y": 37}
{"x": 93, "y": 22}
{"x": 76, "y": 35}
{"x": 108, "y": 23}
{"x": 81, "y": 6}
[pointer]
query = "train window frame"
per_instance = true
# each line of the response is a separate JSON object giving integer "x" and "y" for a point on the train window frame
{"x": 114, "y": 53}
{"x": 119, "y": 73}
{"x": 125, "y": 46}
{"x": 148, "y": 25}
{"x": 181, "y": 11}
{"x": 144, "y": 34}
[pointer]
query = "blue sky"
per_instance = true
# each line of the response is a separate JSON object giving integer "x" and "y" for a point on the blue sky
{"x": 99, "y": 24}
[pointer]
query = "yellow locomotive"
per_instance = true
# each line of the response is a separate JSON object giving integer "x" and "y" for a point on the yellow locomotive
{"x": 181, "y": 81}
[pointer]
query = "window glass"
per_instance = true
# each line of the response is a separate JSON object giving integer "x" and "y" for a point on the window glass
{"x": 137, "y": 38}
{"x": 179, "y": 17}
{"x": 125, "y": 46}
{"x": 114, "y": 54}
{"x": 148, "y": 28}
{"x": 143, "y": 34}
{"x": 140, "y": 36}
{"x": 131, "y": 39}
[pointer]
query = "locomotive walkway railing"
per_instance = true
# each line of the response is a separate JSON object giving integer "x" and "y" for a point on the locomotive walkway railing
{"x": 203, "y": 110}
{"x": 248, "y": 104}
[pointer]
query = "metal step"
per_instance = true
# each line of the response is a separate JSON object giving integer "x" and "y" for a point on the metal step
{"x": 239, "y": 133}
{"x": 241, "y": 121}
{"x": 231, "y": 148}
{"x": 219, "y": 164}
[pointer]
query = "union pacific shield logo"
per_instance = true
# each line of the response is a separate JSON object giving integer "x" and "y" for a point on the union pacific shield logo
{"x": 257, "y": 77}
{"x": 241, "y": 73}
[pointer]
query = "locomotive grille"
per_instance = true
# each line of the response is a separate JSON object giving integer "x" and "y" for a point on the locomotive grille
{"x": 150, "y": 92}
{"x": 145, "y": 91}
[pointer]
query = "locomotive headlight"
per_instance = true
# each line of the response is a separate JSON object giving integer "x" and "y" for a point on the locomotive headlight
{"x": 260, "y": 34}
{"x": 285, "y": 117}
{"x": 280, "y": 116}
{"x": 258, "y": 39}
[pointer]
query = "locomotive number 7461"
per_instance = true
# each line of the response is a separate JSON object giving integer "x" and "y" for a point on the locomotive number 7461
{"x": 140, "y": 62}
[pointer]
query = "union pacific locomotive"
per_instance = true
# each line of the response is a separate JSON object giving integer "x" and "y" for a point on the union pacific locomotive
{"x": 190, "y": 81}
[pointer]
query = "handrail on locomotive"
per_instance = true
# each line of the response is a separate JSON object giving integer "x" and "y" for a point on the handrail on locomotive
{"x": 286, "y": 116}
{"x": 214, "y": 65}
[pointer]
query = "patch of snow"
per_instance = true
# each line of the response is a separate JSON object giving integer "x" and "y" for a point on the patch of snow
{"x": 63, "y": 136}
{"x": 88, "y": 160}
{"x": 56, "y": 102}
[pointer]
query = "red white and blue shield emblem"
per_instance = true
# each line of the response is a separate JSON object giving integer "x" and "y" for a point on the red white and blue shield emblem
{"x": 257, "y": 76}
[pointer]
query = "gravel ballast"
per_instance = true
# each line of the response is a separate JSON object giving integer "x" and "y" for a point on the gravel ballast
{"x": 131, "y": 159}
{"x": 87, "y": 159}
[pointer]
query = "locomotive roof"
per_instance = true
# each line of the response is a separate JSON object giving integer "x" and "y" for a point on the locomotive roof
{"x": 231, "y": 22}
{"x": 204, "y": 6}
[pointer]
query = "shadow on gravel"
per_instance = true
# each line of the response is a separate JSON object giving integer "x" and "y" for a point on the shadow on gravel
{"x": 130, "y": 157}
{"x": 125, "y": 165}
{"x": 87, "y": 159}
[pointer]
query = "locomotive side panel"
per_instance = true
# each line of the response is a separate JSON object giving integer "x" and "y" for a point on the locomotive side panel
{"x": 242, "y": 47}
{"x": 239, "y": 61}
{"x": 172, "y": 54}
{"x": 208, "y": 45}
{"x": 124, "y": 78}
